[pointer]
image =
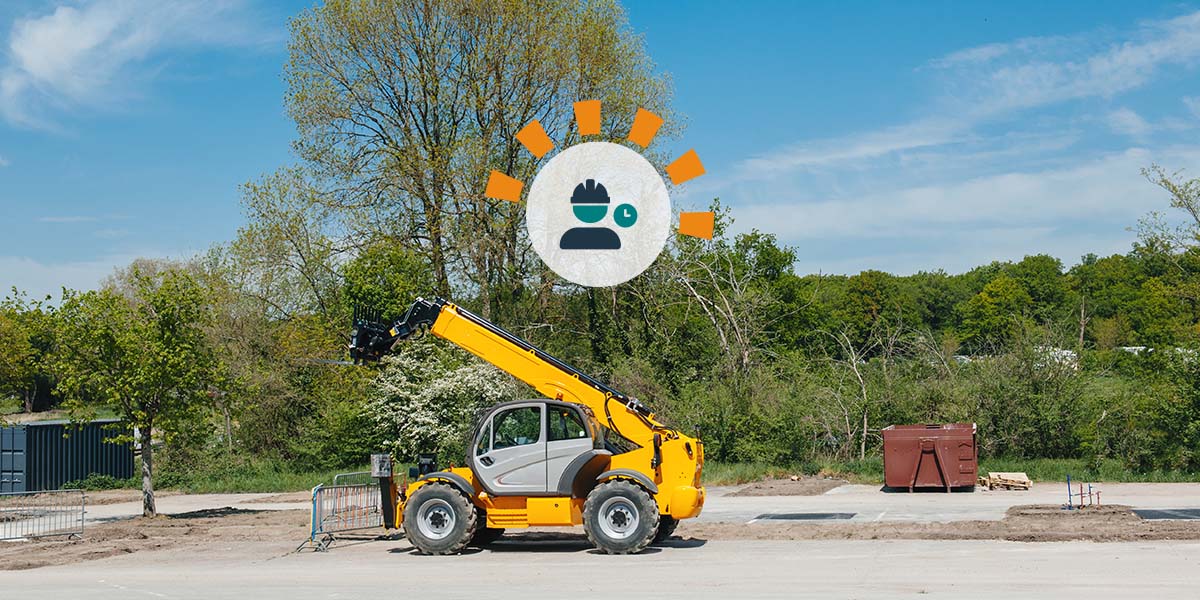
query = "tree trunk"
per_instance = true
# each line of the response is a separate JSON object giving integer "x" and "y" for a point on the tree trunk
{"x": 148, "y": 509}
{"x": 28, "y": 394}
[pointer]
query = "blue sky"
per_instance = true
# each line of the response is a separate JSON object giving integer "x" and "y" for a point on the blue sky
{"x": 897, "y": 136}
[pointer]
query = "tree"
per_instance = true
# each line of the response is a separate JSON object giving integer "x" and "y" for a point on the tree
{"x": 138, "y": 346}
{"x": 404, "y": 106}
{"x": 990, "y": 315}
{"x": 16, "y": 359}
{"x": 1041, "y": 276}
{"x": 427, "y": 397}
{"x": 27, "y": 338}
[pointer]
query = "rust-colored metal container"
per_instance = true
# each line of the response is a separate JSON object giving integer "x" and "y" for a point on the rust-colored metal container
{"x": 930, "y": 456}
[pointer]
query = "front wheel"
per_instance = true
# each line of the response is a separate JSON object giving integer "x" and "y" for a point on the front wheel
{"x": 620, "y": 517}
{"x": 439, "y": 519}
{"x": 666, "y": 526}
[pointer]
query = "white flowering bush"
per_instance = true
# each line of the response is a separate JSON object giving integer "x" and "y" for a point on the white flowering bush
{"x": 426, "y": 398}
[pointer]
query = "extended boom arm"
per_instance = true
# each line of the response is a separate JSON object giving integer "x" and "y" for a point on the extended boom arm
{"x": 370, "y": 341}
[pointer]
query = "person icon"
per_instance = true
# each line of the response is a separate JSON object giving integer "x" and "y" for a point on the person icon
{"x": 590, "y": 202}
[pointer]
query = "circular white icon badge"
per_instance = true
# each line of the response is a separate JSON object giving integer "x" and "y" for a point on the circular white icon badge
{"x": 598, "y": 214}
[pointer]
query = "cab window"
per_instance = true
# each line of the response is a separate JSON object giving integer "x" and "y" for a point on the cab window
{"x": 517, "y": 427}
{"x": 564, "y": 424}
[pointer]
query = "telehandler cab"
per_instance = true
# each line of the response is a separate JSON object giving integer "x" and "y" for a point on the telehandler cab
{"x": 586, "y": 454}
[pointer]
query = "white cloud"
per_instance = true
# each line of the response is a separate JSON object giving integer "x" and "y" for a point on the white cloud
{"x": 1193, "y": 104}
{"x": 830, "y": 152}
{"x": 96, "y": 54}
{"x": 994, "y": 170}
{"x": 993, "y": 86}
{"x": 1127, "y": 122}
{"x": 40, "y": 278}
{"x": 1069, "y": 211}
{"x": 67, "y": 219}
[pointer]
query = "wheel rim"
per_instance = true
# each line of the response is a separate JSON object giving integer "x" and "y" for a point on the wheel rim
{"x": 618, "y": 518}
{"x": 436, "y": 519}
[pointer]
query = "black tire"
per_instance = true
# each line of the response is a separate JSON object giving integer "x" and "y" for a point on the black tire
{"x": 485, "y": 536}
{"x": 620, "y": 517}
{"x": 439, "y": 519}
{"x": 666, "y": 526}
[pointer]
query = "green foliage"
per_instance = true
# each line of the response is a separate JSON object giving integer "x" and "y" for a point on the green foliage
{"x": 140, "y": 350}
{"x": 426, "y": 397}
{"x": 991, "y": 315}
{"x": 96, "y": 482}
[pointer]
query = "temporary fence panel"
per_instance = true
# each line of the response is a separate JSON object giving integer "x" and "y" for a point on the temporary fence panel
{"x": 40, "y": 514}
{"x": 342, "y": 508}
{"x": 354, "y": 478}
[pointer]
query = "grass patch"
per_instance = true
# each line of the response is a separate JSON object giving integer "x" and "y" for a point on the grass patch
{"x": 1057, "y": 469}
{"x": 870, "y": 471}
{"x": 96, "y": 482}
{"x": 248, "y": 477}
{"x": 10, "y": 405}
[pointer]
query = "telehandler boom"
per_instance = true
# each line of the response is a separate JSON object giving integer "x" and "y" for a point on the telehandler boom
{"x": 585, "y": 454}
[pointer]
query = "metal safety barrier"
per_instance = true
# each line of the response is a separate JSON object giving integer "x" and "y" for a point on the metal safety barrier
{"x": 39, "y": 514}
{"x": 342, "y": 508}
{"x": 355, "y": 478}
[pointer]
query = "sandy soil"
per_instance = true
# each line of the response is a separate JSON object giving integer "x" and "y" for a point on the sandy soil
{"x": 283, "y": 498}
{"x": 805, "y": 486}
{"x": 1027, "y": 523}
{"x": 212, "y": 529}
{"x": 274, "y": 533}
{"x": 121, "y": 496}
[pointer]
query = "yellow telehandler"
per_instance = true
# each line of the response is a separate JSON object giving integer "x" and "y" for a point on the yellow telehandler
{"x": 585, "y": 454}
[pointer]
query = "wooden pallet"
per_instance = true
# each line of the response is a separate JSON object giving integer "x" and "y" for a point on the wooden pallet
{"x": 1008, "y": 481}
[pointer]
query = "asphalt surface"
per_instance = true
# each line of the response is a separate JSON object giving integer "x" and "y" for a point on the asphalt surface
{"x": 696, "y": 570}
{"x": 866, "y": 502}
{"x": 565, "y": 568}
{"x": 869, "y": 503}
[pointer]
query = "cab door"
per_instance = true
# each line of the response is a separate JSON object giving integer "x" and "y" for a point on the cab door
{"x": 567, "y": 438}
{"x": 510, "y": 454}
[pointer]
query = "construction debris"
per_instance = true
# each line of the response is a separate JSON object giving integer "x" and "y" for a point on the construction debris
{"x": 1008, "y": 481}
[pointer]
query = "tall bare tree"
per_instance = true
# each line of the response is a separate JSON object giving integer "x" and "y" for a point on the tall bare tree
{"x": 404, "y": 107}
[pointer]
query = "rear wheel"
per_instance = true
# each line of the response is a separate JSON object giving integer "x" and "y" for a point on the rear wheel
{"x": 620, "y": 517}
{"x": 439, "y": 519}
{"x": 666, "y": 526}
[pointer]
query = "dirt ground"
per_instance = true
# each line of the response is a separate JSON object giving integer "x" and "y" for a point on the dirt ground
{"x": 210, "y": 529}
{"x": 121, "y": 496}
{"x": 1027, "y": 523}
{"x": 280, "y": 531}
{"x": 804, "y": 486}
{"x": 283, "y": 498}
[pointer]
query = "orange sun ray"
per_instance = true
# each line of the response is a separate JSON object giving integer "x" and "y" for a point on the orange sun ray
{"x": 685, "y": 167}
{"x": 535, "y": 140}
{"x": 587, "y": 115}
{"x": 645, "y": 126}
{"x": 697, "y": 224}
{"x": 503, "y": 187}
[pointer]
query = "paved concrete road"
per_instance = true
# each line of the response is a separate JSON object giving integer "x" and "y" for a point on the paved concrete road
{"x": 870, "y": 504}
{"x": 867, "y": 502}
{"x": 567, "y": 569}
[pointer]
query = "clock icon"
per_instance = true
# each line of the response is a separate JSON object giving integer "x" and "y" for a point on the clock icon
{"x": 625, "y": 215}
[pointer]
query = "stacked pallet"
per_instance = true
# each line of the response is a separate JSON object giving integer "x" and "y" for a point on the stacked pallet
{"x": 1008, "y": 481}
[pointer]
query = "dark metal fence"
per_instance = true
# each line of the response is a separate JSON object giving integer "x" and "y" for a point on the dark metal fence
{"x": 40, "y": 514}
{"x": 45, "y": 455}
{"x": 342, "y": 508}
